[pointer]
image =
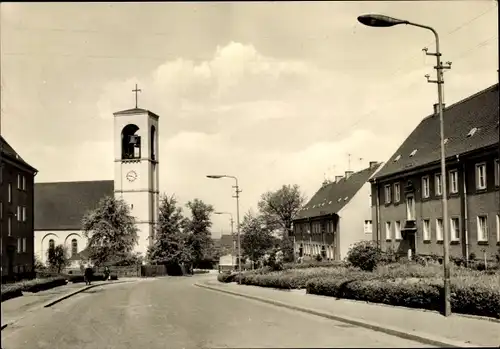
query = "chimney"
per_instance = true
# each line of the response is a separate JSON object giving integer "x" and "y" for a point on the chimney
{"x": 338, "y": 178}
{"x": 436, "y": 108}
{"x": 373, "y": 164}
{"x": 348, "y": 174}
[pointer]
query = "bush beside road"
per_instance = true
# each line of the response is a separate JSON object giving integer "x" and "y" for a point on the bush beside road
{"x": 400, "y": 284}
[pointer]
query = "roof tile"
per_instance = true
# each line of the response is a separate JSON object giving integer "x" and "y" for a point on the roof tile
{"x": 62, "y": 205}
{"x": 332, "y": 197}
{"x": 477, "y": 111}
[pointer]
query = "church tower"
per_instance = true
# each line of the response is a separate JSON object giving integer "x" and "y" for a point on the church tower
{"x": 136, "y": 168}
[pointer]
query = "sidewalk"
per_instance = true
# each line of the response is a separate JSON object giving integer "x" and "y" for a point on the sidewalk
{"x": 17, "y": 308}
{"x": 454, "y": 331}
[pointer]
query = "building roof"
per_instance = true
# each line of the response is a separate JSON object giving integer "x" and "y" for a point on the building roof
{"x": 332, "y": 197}
{"x": 136, "y": 111}
{"x": 478, "y": 111}
{"x": 9, "y": 152}
{"x": 62, "y": 205}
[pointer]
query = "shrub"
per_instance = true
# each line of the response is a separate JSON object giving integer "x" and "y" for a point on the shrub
{"x": 35, "y": 285}
{"x": 365, "y": 255}
{"x": 227, "y": 277}
{"x": 297, "y": 278}
{"x": 9, "y": 292}
{"x": 476, "y": 296}
{"x": 314, "y": 264}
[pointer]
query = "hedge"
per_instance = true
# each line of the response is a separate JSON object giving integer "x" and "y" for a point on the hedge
{"x": 10, "y": 291}
{"x": 95, "y": 277}
{"x": 467, "y": 296}
{"x": 227, "y": 277}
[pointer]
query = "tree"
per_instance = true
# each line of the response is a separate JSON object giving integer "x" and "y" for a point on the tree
{"x": 171, "y": 242}
{"x": 110, "y": 230}
{"x": 200, "y": 238}
{"x": 57, "y": 258}
{"x": 280, "y": 207}
{"x": 256, "y": 237}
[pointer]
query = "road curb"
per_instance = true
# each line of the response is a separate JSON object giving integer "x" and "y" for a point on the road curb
{"x": 60, "y": 299}
{"x": 414, "y": 336}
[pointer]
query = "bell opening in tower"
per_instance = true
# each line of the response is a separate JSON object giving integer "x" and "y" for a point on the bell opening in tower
{"x": 131, "y": 142}
{"x": 153, "y": 143}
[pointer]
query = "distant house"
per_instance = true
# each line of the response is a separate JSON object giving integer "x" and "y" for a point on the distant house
{"x": 407, "y": 191}
{"x": 59, "y": 209}
{"x": 336, "y": 217}
{"x": 16, "y": 212}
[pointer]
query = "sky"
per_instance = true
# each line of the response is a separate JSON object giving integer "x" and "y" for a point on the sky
{"x": 273, "y": 93}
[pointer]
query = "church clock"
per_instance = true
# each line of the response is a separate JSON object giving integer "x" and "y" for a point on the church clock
{"x": 131, "y": 176}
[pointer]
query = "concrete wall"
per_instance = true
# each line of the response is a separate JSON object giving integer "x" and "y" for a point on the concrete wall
{"x": 60, "y": 237}
{"x": 352, "y": 220}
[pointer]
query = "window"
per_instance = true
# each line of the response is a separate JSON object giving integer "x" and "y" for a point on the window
{"x": 426, "y": 230}
{"x": 24, "y": 183}
{"x": 388, "y": 235}
{"x": 397, "y": 230}
{"x": 19, "y": 213}
{"x": 410, "y": 208}
{"x": 481, "y": 176}
{"x": 74, "y": 247}
{"x": 439, "y": 229}
{"x": 24, "y": 213}
{"x": 472, "y": 132}
{"x": 453, "y": 181}
{"x": 397, "y": 192}
{"x": 425, "y": 187}
{"x": 482, "y": 228}
{"x": 52, "y": 244}
{"x": 24, "y": 244}
{"x": 19, "y": 245}
{"x": 388, "y": 194}
{"x": 497, "y": 172}
{"x": 368, "y": 227}
{"x": 455, "y": 228}
{"x": 439, "y": 185}
{"x": 498, "y": 228}
{"x": 19, "y": 181}
{"x": 9, "y": 193}
{"x": 414, "y": 151}
{"x": 9, "y": 225}
{"x": 1, "y": 210}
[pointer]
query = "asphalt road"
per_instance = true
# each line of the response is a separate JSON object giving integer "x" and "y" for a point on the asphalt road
{"x": 172, "y": 313}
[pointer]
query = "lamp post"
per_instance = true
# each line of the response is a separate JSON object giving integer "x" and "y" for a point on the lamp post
{"x": 232, "y": 231}
{"x": 373, "y": 20}
{"x": 237, "y": 196}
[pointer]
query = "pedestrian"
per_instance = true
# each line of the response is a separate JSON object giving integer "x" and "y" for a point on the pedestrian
{"x": 106, "y": 273}
{"x": 88, "y": 275}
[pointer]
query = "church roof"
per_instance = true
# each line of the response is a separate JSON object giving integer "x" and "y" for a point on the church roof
{"x": 62, "y": 205}
{"x": 9, "y": 152}
{"x": 136, "y": 111}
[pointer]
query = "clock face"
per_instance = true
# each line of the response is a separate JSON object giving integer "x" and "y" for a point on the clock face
{"x": 131, "y": 176}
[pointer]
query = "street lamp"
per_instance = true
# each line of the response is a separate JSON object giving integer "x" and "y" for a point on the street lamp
{"x": 373, "y": 20}
{"x": 232, "y": 231}
{"x": 237, "y": 196}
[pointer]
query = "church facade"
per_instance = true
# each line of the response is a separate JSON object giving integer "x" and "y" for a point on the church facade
{"x": 60, "y": 206}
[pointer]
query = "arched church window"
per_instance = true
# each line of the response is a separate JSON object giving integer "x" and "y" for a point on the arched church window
{"x": 52, "y": 244}
{"x": 74, "y": 247}
{"x": 153, "y": 143}
{"x": 131, "y": 142}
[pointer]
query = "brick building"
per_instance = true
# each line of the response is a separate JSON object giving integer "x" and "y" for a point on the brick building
{"x": 336, "y": 217}
{"x": 407, "y": 206}
{"x": 16, "y": 213}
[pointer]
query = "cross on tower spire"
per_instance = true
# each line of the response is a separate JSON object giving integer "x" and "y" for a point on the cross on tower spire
{"x": 136, "y": 90}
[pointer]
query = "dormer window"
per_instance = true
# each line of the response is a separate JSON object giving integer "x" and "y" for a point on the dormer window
{"x": 345, "y": 199}
{"x": 329, "y": 202}
{"x": 339, "y": 200}
{"x": 472, "y": 132}
{"x": 397, "y": 158}
{"x": 413, "y": 152}
{"x": 445, "y": 141}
